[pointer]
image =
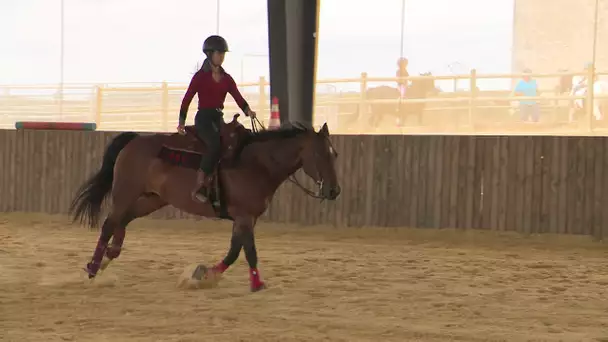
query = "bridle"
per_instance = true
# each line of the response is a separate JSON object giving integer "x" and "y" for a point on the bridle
{"x": 256, "y": 126}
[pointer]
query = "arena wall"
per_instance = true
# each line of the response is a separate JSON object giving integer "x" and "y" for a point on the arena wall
{"x": 549, "y": 35}
{"x": 526, "y": 184}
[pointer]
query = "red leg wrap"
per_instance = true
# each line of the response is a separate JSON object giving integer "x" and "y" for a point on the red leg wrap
{"x": 99, "y": 252}
{"x": 93, "y": 266}
{"x": 116, "y": 246}
{"x": 254, "y": 279}
{"x": 220, "y": 267}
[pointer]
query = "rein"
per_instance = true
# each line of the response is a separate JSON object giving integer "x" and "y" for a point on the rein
{"x": 310, "y": 193}
{"x": 257, "y": 126}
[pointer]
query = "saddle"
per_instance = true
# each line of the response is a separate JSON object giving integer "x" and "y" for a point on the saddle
{"x": 187, "y": 150}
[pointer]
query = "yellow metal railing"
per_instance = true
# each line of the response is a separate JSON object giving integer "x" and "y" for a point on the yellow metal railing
{"x": 155, "y": 106}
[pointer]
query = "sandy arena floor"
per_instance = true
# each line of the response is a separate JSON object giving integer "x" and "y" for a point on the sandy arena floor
{"x": 325, "y": 284}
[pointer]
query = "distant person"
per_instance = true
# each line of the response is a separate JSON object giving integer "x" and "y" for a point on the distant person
{"x": 580, "y": 81}
{"x": 527, "y": 86}
{"x": 402, "y": 72}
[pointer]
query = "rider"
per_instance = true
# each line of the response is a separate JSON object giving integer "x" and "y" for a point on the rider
{"x": 212, "y": 83}
{"x": 402, "y": 72}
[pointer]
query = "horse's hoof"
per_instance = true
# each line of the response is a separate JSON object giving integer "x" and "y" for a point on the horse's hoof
{"x": 200, "y": 272}
{"x": 259, "y": 287}
{"x": 199, "y": 198}
{"x": 91, "y": 270}
{"x": 89, "y": 274}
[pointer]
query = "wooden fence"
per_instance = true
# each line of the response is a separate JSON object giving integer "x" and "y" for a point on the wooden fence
{"x": 526, "y": 184}
{"x": 154, "y": 107}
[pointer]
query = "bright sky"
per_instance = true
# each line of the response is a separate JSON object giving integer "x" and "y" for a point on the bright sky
{"x": 156, "y": 40}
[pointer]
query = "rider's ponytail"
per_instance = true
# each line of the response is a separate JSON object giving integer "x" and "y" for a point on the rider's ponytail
{"x": 206, "y": 65}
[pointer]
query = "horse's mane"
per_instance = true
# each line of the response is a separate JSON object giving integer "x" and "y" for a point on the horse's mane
{"x": 285, "y": 131}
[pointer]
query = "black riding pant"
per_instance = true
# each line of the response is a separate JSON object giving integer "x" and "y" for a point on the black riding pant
{"x": 207, "y": 123}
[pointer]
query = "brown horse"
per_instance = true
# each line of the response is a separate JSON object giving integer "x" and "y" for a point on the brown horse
{"x": 143, "y": 173}
{"x": 419, "y": 89}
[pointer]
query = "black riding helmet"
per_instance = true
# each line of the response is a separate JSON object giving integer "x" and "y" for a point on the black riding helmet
{"x": 215, "y": 43}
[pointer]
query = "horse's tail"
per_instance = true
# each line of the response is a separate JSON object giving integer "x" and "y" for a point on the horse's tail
{"x": 86, "y": 206}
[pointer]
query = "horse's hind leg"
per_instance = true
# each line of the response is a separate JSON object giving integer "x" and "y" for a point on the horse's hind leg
{"x": 144, "y": 206}
{"x": 122, "y": 200}
{"x": 114, "y": 227}
{"x": 102, "y": 244}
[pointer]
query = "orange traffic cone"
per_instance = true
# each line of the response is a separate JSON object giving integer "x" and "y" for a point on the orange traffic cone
{"x": 275, "y": 118}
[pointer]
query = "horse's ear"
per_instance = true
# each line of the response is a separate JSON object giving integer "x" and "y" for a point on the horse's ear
{"x": 324, "y": 130}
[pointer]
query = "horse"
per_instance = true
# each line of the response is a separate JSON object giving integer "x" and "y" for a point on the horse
{"x": 418, "y": 89}
{"x": 144, "y": 173}
{"x": 577, "y": 107}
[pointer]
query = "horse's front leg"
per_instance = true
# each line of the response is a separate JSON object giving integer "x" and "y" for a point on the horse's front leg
{"x": 244, "y": 227}
{"x": 233, "y": 253}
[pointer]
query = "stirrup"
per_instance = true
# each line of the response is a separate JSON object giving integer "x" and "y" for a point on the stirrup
{"x": 200, "y": 197}
{"x": 201, "y": 194}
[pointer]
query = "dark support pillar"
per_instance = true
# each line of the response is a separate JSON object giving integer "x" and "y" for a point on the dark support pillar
{"x": 277, "y": 46}
{"x": 292, "y": 33}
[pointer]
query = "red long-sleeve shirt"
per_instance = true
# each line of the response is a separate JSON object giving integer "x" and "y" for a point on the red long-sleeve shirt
{"x": 211, "y": 94}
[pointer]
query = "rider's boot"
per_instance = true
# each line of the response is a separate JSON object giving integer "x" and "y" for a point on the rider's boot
{"x": 200, "y": 192}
